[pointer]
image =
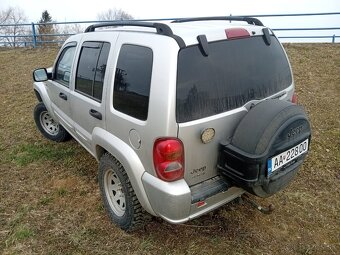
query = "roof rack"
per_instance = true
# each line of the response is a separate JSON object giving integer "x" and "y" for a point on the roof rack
{"x": 161, "y": 28}
{"x": 249, "y": 20}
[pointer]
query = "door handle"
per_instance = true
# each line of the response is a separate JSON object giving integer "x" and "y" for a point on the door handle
{"x": 62, "y": 96}
{"x": 95, "y": 114}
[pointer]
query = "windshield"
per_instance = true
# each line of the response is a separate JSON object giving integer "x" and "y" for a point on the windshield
{"x": 235, "y": 72}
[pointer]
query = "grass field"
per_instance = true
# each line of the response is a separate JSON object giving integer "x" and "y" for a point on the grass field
{"x": 50, "y": 202}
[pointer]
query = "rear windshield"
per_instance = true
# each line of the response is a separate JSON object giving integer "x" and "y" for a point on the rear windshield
{"x": 235, "y": 72}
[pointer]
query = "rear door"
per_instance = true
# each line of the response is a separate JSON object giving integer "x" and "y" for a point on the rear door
{"x": 92, "y": 73}
{"x": 214, "y": 92}
{"x": 59, "y": 87}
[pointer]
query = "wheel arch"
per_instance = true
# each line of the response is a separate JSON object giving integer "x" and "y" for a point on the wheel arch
{"x": 42, "y": 96}
{"x": 100, "y": 151}
{"x": 37, "y": 95}
{"x": 103, "y": 142}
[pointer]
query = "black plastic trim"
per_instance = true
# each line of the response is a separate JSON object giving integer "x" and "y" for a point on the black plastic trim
{"x": 249, "y": 20}
{"x": 38, "y": 96}
{"x": 266, "y": 36}
{"x": 208, "y": 188}
{"x": 250, "y": 171}
{"x": 161, "y": 28}
{"x": 179, "y": 41}
{"x": 95, "y": 114}
{"x": 203, "y": 45}
{"x": 63, "y": 96}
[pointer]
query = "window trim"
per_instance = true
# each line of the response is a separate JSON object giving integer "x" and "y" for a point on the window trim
{"x": 87, "y": 44}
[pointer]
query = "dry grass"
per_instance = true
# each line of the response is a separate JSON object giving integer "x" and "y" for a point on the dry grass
{"x": 50, "y": 200}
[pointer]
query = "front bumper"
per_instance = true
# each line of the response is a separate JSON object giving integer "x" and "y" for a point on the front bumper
{"x": 172, "y": 201}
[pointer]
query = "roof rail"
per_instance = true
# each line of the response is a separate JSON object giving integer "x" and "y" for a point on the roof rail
{"x": 161, "y": 28}
{"x": 249, "y": 20}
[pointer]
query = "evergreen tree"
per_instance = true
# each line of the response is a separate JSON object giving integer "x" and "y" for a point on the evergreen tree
{"x": 45, "y": 29}
{"x": 45, "y": 17}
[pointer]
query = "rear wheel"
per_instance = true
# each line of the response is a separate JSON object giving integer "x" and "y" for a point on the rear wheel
{"x": 118, "y": 196}
{"x": 48, "y": 126}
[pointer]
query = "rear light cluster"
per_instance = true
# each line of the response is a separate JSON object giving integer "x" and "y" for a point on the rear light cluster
{"x": 294, "y": 98}
{"x": 168, "y": 158}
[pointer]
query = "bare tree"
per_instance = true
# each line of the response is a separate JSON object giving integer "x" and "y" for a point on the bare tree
{"x": 67, "y": 30}
{"x": 3, "y": 17}
{"x": 70, "y": 29}
{"x": 13, "y": 16}
{"x": 114, "y": 14}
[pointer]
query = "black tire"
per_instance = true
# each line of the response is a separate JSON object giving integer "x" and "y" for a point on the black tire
{"x": 119, "y": 198}
{"x": 47, "y": 126}
{"x": 263, "y": 124}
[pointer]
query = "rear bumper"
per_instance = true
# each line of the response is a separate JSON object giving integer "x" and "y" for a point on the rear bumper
{"x": 172, "y": 201}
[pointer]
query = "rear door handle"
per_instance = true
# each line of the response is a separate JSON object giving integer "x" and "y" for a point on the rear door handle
{"x": 95, "y": 114}
{"x": 62, "y": 96}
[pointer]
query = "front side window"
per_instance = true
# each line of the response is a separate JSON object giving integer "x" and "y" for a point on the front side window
{"x": 64, "y": 65}
{"x": 132, "y": 81}
{"x": 91, "y": 69}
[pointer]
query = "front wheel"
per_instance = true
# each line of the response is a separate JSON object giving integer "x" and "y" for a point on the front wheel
{"x": 118, "y": 196}
{"x": 48, "y": 126}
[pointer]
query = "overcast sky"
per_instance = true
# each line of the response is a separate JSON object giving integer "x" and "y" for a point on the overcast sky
{"x": 68, "y": 10}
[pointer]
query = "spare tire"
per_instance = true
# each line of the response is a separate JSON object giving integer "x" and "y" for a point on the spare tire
{"x": 267, "y": 147}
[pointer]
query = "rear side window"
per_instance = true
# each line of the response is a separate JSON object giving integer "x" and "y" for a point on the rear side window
{"x": 132, "y": 81}
{"x": 235, "y": 72}
{"x": 91, "y": 69}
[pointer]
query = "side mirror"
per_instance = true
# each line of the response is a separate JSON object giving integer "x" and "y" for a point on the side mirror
{"x": 67, "y": 76}
{"x": 40, "y": 74}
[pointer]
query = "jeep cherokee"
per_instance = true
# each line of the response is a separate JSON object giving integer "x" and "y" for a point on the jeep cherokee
{"x": 183, "y": 116}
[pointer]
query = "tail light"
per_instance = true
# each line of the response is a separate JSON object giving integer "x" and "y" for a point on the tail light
{"x": 236, "y": 33}
{"x": 294, "y": 98}
{"x": 168, "y": 158}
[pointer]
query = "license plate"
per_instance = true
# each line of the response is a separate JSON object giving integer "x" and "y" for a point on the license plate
{"x": 285, "y": 157}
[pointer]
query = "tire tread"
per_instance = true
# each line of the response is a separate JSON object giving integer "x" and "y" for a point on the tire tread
{"x": 62, "y": 136}
{"x": 139, "y": 216}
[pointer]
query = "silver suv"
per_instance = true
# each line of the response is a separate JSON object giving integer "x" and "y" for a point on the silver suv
{"x": 183, "y": 116}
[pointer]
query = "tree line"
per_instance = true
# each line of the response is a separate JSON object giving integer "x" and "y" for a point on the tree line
{"x": 46, "y": 33}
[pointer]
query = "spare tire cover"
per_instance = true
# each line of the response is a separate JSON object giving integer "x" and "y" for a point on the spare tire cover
{"x": 268, "y": 129}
